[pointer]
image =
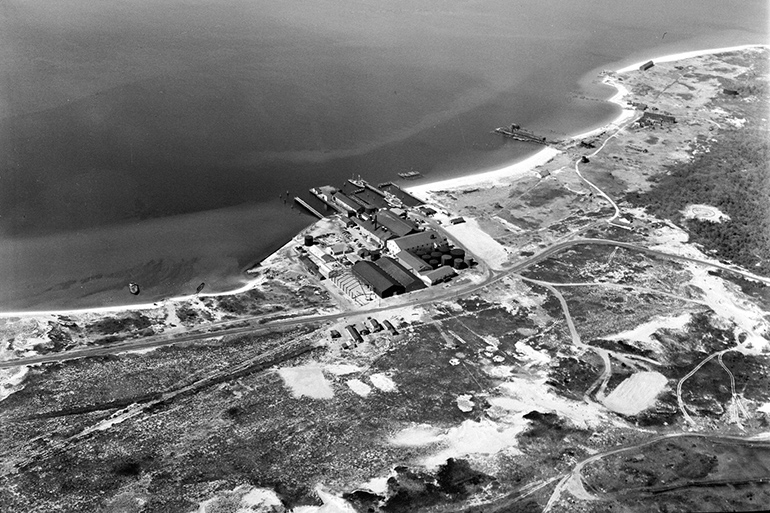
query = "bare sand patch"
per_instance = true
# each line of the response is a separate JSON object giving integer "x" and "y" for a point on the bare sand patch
{"x": 465, "y": 403}
{"x": 470, "y": 235}
{"x": 705, "y": 213}
{"x": 636, "y": 393}
{"x": 383, "y": 382}
{"x": 342, "y": 369}
{"x": 471, "y": 437}
{"x": 359, "y": 387}
{"x": 415, "y": 436}
{"x": 306, "y": 380}
{"x": 644, "y": 332}
{"x": 11, "y": 380}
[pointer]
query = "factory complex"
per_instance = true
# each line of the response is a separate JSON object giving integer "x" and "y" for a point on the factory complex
{"x": 380, "y": 242}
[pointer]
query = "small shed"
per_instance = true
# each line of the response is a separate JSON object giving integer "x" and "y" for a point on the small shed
{"x": 647, "y": 65}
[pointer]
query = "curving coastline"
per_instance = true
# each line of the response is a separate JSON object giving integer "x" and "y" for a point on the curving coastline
{"x": 512, "y": 171}
{"x": 520, "y": 168}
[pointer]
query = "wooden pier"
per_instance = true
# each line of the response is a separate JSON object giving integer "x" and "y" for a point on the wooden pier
{"x": 516, "y": 132}
{"x": 308, "y": 207}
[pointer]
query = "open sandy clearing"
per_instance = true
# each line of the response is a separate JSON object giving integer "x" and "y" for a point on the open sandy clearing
{"x": 470, "y": 235}
{"x": 383, "y": 382}
{"x": 359, "y": 387}
{"x": 306, "y": 380}
{"x": 705, "y": 213}
{"x": 637, "y": 393}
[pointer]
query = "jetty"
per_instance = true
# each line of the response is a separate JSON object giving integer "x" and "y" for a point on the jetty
{"x": 516, "y": 132}
{"x": 308, "y": 207}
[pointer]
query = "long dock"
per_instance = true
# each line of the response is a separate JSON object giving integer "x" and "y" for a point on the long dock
{"x": 308, "y": 207}
{"x": 521, "y": 135}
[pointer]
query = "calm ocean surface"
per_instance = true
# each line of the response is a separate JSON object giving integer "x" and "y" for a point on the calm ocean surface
{"x": 149, "y": 141}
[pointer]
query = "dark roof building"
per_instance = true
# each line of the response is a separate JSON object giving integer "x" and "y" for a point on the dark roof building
{"x": 379, "y": 232}
{"x": 396, "y": 225}
{"x": 401, "y": 274}
{"x": 649, "y": 118}
{"x": 377, "y": 279}
{"x": 347, "y": 203}
{"x": 647, "y": 65}
{"x": 354, "y": 334}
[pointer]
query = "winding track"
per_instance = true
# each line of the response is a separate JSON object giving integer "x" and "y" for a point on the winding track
{"x": 259, "y": 324}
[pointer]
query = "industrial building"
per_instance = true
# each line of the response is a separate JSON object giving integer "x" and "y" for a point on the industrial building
{"x": 417, "y": 241}
{"x": 377, "y": 232}
{"x": 651, "y": 118}
{"x": 380, "y": 282}
{"x": 443, "y": 273}
{"x": 401, "y": 274}
{"x": 398, "y": 226}
{"x": 412, "y": 262}
{"x": 347, "y": 204}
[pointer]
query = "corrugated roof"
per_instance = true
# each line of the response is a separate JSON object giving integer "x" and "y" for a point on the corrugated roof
{"x": 398, "y": 226}
{"x": 420, "y": 239}
{"x": 439, "y": 274}
{"x": 380, "y": 232}
{"x": 349, "y": 203}
{"x": 410, "y": 260}
{"x": 382, "y": 284}
{"x": 399, "y": 273}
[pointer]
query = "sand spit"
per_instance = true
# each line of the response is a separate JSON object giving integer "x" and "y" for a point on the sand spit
{"x": 519, "y": 169}
{"x": 687, "y": 55}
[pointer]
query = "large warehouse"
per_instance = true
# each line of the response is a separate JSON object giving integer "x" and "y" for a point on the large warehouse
{"x": 401, "y": 274}
{"x": 422, "y": 240}
{"x": 376, "y": 279}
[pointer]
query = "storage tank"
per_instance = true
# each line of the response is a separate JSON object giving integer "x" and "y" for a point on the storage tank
{"x": 426, "y": 257}
{"x": 459, "y": 263}
{"x": 434, "y": 263}
{"x": 444, "y": 248}
{"x": 436, "y": 254}
{"x": 446, "y": 259}
{"x": 308, "y": 240}
{"x": 458, "y": 253}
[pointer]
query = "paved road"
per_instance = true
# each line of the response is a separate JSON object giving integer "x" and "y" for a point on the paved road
{"x": 261, "y": 324}
{"x": 574, "y": 482}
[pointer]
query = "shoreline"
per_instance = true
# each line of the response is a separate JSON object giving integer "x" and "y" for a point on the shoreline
{"x": 518, "y": 168}
{"x": 513, "y": 170}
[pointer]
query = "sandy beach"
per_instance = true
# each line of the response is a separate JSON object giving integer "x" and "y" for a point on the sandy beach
{"x": 687, "y": 55}
{"x": 520, "y": 168}
{"x": 489, "y": 178}
{"x": 511, "y": 171}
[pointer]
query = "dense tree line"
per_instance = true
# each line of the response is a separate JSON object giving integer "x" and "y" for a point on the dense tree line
{"x": 734, "y": 177}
